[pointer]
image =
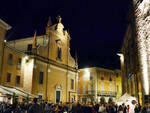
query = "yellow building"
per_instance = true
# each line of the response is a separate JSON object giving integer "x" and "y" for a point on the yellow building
{"x": 42, "y": 65}
{"x": 97, "y": 83}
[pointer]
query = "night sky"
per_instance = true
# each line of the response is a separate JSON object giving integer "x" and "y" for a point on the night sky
{"x": 97, "y": 27}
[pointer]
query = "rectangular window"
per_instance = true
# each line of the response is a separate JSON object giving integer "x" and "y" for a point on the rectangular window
{"x": 19, "y": 63}
{"x": 58, "y": 53}
{"x": 89, "y": 89}
{"x": 83, "y": 89}
{"x": 78, "y": 77}
{"x": 17, "y": 79}
{"x": 84, "y": 76}
{"x": 102, "y": 76}
{"x": 8, "y": 77}
{"x": 117, "y": 75}
{"x": 29, "y": 47}
{"x": 102, "y": 87}
{"x": 110, "y": 79}
{"x": 41, "y": 78}
{"x": 91, "y": 77}
{"x": 110, "y": 87}
{"x": 72, "y": 84}
{"x": 78, "y": 89}
{"x": 10, "y": 59}
{"x": 117, "y": 88}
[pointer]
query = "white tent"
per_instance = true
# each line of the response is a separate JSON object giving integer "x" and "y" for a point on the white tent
{"x": 127, "y": 100}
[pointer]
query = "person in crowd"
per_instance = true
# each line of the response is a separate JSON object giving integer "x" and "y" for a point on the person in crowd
{"x": 35, "y": 108}
{"x": 46, "y": 107}
{"x": 139, "y": 108}
{"x": 111, "y": 108}
{"x": 67, "y": 107}
{"x": 102, "y": 108}
{"x": 128, "y": 108}
{"x": 124, "y": 108}
{"x": 120, "y": 109}
{"x": 144, "y": 110}
{"x": 96, "y": 107}
{"x": 74, "y": 108}
{"x": 136, "y": 109}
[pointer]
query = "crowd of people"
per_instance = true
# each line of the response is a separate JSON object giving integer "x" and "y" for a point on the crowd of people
{"x": 44, "y": 107}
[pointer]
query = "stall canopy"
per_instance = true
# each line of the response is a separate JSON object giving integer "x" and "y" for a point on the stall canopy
{"x": 15, "y": 91}
{"x": 5, "y": 91}
{"x": 127, "y": 100}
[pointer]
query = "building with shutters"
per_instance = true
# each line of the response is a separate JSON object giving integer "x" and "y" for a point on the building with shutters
{"x": 95, "y": 84}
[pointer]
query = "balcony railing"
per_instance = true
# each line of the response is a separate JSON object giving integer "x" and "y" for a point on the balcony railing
{"x": 107, "y": 93}
{"x": 91, "y": 92}
{"x": 102, "y": 93}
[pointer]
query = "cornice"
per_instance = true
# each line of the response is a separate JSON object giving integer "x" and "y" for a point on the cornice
{"x": 4, "y": 25}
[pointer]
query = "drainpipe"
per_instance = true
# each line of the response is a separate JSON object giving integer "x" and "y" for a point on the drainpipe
{"x": 47, "y": 72}
{"x": 67, "y": 72}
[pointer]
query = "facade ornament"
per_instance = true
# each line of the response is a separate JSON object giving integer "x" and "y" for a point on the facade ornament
{"x": 59, "y": 19}
{"x": 49, "y": 23}
{"x": 35, "y": 40}
{"x": 58, "y": 86}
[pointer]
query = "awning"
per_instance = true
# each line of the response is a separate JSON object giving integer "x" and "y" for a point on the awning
{"x": 15, "y": 91}
{"x": 3, "y": 91}
{"x": 27, "y": 94}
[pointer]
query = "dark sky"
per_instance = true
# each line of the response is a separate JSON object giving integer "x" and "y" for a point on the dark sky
{"x": 97, "y": 27}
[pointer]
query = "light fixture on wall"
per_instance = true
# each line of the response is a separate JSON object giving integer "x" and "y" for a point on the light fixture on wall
{"x": 49, "y": 70}
{"x": 26, "y": 58}
{"x": 121, "y": 57}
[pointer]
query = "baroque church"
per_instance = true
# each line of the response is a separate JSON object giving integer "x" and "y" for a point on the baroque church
{"x": 40, "y": 65}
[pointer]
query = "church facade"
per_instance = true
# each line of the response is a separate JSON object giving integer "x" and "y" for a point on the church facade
{"x": 42, "y": 65}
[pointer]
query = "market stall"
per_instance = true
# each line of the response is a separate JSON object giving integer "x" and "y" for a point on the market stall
{"x": 127, "y": 100}
{"x": 11, "y": 94}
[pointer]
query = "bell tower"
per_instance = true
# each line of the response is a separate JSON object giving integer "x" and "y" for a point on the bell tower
{"x": 58, "y": 43}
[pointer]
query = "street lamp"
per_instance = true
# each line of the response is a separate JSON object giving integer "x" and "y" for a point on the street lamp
{"x": 121, "y": 57}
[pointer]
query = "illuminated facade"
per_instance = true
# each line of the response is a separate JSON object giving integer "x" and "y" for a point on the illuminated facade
{"x": 42, "y": 65}
{"x": 131, "y": 75}
{"x": 96, "y": 83}
{"x": 138, "y": 64}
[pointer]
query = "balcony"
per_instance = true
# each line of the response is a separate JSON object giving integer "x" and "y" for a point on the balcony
{"x": 102, "y": 93}
{"x": 107, "y": 93}
{"x": 90, "y": 92}
{"x": 18, "y": 66}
